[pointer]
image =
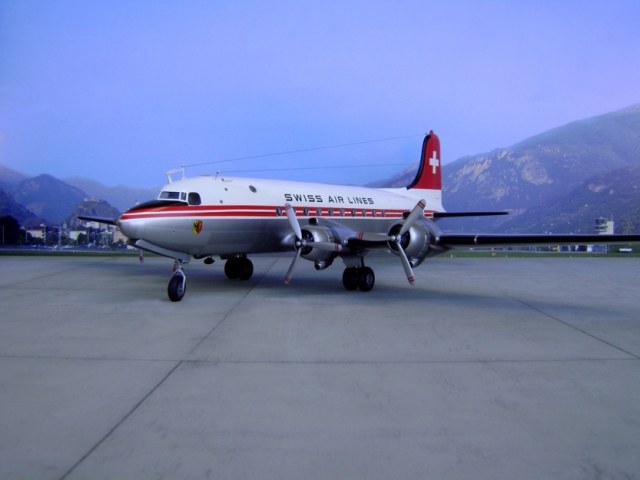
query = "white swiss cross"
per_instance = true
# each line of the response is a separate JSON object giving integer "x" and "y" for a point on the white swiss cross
{"x": 434, "y": 162}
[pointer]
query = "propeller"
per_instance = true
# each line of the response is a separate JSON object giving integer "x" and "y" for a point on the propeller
{"x": 413, "y": 216}
{"x": 293, "y": 221}
{"x": 289, "y": 275}
{"x": 301, "y": 242}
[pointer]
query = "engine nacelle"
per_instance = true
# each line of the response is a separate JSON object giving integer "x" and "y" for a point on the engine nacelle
{"x": 317, "y": 233}
{"x": 416, "y": 243}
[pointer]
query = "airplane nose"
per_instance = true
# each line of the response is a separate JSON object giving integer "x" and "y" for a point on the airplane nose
{"x": 132, "y": 228}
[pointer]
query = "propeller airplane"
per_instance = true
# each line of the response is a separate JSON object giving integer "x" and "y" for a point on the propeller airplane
{"x": 232, "y": 218}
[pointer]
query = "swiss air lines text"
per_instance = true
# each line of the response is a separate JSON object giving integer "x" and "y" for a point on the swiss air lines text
{"x": 301, "y": 197}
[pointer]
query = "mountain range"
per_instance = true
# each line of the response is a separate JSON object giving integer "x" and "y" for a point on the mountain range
{"x": 46, "y": 199}
{"x": 559, "y": 181}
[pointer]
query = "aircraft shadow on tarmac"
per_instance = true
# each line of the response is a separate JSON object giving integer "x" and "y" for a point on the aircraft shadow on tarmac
{"x": 267, "y": 282}
{"x": 268, "y": 279}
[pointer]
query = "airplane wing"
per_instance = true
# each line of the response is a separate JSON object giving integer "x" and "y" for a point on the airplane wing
{"x": 466, "y": 214}
{"x": 472, "y": 240}
{"x": 108, "y": 221}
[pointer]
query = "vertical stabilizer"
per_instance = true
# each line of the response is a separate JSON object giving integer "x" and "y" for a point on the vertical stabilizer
{"x": 429, "y": 176}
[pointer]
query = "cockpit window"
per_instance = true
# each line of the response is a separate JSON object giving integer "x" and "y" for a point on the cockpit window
{"x": 169, "y": 195}
{"x": 194, "y": 198}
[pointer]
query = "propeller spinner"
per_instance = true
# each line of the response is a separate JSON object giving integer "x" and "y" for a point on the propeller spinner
{"x": 414, "y": 215}
{"x": 302, "y": 242}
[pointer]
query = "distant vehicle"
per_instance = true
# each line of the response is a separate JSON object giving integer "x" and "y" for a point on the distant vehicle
{"x": 234, "y": 217}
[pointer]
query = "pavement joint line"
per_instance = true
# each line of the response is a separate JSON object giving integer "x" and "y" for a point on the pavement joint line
{"x": 85, "y": 358}
{"x": 122, "y": 420}
{"x": 578, "y": 329}
{"x": 235, "y": 305}
{"x": 407, "y": 362}
{"x": 323, "y": 362}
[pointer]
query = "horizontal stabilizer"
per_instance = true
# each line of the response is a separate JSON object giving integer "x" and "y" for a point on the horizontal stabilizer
{"x": 108, "y": 221}
{"x": 466, "y": 214}
{"x": 471, "y": 240}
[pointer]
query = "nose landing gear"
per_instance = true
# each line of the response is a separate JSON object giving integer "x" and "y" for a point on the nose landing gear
{"x": 178, "y": 284}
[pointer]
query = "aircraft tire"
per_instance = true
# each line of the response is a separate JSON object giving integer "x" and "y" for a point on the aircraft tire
{"x": 231, "y": 269}
{"x": 245, "y": 269}
{"x": 366, "y": 279}
{"x": 350, "y": 278}
{"x": 177, "y": 286}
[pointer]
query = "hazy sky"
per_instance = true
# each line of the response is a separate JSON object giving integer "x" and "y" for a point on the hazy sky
{"x": 121, "y": 91}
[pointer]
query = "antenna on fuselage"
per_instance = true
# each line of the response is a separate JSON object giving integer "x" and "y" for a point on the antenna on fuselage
{"x": 169, "y": 173}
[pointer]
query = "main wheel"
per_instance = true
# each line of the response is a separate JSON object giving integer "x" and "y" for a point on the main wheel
{"x": 238, "y": 268}
{"x": 350, "y": 278}
{"x": 231, "y": 269}
{"x": 177, "y": 286}
{"x": 245, "y": 269}
{"x": 366, "y": 279}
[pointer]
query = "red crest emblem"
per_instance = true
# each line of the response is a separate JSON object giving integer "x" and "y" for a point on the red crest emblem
{"x": 197, "y": 226}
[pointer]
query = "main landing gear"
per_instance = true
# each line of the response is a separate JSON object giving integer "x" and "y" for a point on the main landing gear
{"x": 358, "y": 277}
{"x": 239, "y": 268}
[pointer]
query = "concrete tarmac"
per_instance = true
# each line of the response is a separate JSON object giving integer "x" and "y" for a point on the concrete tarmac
{"x": 495, "y": 368}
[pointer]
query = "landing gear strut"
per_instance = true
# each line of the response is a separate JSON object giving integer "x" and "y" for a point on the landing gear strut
{"x": 239, "y": 268}
{"x": 358, "y": 277}
{"x": 178, "y": 284}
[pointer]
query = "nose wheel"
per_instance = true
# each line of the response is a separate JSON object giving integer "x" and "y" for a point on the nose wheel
{"x": 177, "y": 285}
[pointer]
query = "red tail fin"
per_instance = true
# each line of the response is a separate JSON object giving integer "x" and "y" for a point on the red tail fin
{"x": 429, "y": 175}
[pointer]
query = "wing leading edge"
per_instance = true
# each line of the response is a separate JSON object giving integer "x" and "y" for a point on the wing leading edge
{"x": 466, "y": 214}
{"x": 471, "y": 240}
{"x": 107, "y": 221}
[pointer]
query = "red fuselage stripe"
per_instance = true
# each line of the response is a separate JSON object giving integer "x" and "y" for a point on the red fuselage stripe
{"x": 248, "y": 211}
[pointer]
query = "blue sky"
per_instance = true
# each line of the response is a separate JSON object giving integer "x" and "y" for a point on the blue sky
{"x": 121, "y": 91}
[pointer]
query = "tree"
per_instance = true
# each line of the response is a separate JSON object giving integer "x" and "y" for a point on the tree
{"x": 9, "y": 230}
{"x": 82, "y": 239}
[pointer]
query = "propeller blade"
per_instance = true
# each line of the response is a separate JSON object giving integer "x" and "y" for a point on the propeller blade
{"x": 293, "y": 221}
{"x": 405, "y": 263}
{"x": 289, "y": 275}
{"x": 415, "y": 214}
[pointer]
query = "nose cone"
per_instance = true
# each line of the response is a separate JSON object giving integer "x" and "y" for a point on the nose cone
{"x": 132, "y": 228}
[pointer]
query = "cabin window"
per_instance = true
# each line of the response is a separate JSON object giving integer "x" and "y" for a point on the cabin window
{"x": 194, "y": 198}
{"x": 354, "y": 213}
{"x": 170, "y": 195}
{"x": 305, "y": 211}
{"x": 331, "y": 212}
{"x": 279, "y": 211}
{"x": 252, "y": 188}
